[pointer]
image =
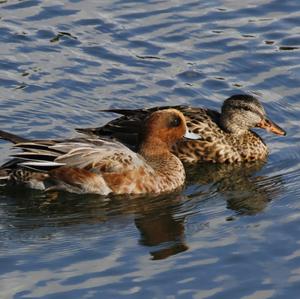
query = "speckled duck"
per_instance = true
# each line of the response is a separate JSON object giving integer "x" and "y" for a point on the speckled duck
{"x": 226, "y": 137}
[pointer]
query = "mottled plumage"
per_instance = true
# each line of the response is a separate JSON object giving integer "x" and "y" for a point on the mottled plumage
{"x": 94, "y": 165}
{"x": 226, "y": 136}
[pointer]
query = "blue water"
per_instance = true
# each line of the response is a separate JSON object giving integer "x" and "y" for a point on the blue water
{"x": 232, "y": 232}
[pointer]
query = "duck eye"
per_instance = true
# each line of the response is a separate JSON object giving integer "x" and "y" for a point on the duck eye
{"x": 175, "y": 122}
{"x": 253, "y": 111}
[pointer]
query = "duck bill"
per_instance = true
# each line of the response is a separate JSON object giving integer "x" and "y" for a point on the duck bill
{"x": 270, "y": 126}
{"x": 191, "y": 136}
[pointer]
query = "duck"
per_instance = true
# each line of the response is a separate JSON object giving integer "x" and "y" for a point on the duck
{"x": 227, "y": 136}
{"x": 102, "y": 166}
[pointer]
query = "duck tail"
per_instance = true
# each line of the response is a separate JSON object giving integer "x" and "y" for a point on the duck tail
{"x": 4, "y": 177}
{"x": 12, "y": 137}
{"x": 102, "y": 131}
{"x": 145, "y": 111}
{"x": 125, "y": 112}
{"x": 88, "y": 131}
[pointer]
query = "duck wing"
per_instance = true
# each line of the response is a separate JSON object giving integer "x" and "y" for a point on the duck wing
{"x": 131, "y": 121}
{"x": 126, "y": 128}
{"x": 95, "y": 155}
{"x": 75, "y": 165}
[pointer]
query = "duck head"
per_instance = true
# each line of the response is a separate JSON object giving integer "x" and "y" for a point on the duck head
{"x": 166, "y": 127}
{"x": 243, "y": 112}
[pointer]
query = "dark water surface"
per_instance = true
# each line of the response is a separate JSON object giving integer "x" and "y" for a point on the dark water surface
{"x": 233, "y": 232}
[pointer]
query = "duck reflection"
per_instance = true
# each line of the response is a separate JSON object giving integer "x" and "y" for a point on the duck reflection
{"x": 162, "y": 221}
{"x": 244, "y": 191}
{"x": 155, "y": 217}
{"x": 160, "y": 229}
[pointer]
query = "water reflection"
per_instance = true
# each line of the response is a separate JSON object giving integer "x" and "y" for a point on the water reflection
{"x": 131, "y": 54}
{"x": 161, "y": 221}
{"x": 161, "y": 229}
{"x": 243, "y": 191}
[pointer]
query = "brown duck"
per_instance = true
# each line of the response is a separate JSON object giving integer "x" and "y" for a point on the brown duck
{"x": 226, "y": 136}
{"x": 94, "y": 165}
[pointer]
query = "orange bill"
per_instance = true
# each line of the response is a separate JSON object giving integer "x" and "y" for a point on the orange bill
{"x": 270, "y": 126}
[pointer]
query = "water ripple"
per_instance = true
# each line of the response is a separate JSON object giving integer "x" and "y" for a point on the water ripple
{"x": 233, "y": 231}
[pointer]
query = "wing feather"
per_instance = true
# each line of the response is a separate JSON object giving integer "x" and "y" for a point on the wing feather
{"x": 109, "y": 157}
{"x": 92, "y": 154}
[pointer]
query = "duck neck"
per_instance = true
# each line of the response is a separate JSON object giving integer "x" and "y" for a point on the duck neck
{"x": 154, "y": 147}
{"x": 231, "y": 126}
{"x": 169, "y": 170}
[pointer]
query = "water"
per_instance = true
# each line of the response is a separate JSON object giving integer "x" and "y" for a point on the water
{"x": 232, "y": 233}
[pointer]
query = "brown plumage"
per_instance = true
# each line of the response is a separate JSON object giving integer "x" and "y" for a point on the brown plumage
{"x": 226, "y": 136}
{"x": 94, "y": 165}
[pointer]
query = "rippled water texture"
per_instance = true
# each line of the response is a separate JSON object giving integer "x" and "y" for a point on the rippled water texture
{"x": 233, "y": 232}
